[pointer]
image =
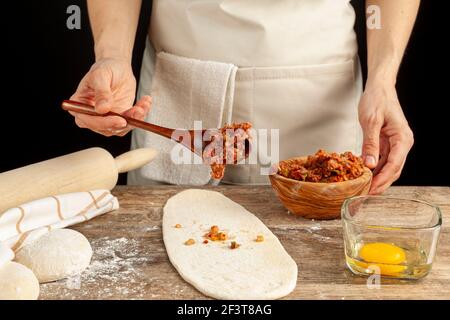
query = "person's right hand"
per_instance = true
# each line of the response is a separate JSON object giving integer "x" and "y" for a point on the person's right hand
{"x": 110, "y": 86}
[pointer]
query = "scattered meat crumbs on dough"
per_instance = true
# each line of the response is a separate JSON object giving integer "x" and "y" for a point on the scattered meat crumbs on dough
{"x": 215, "y": 235}
{"x": 234, "y": 245}
{"x": 205, "y": 241}
{"x": 259, "y": 238}
{"x": 189, "y": 242}
{"x": 178, "y": 226}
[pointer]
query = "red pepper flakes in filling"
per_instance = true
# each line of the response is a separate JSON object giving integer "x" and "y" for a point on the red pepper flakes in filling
{"x": 323, "y": 167}
{"x": 233, "y": 145}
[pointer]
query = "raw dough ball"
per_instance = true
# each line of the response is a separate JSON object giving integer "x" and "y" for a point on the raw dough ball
{"x": 56, "y": 255}
{"x": 17, "y": 282}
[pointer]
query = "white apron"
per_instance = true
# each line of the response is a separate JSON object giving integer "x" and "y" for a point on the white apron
{"x": 298, "y": 69}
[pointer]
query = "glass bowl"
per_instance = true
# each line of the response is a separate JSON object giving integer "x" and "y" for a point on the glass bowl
{"x": 392, "y": 237}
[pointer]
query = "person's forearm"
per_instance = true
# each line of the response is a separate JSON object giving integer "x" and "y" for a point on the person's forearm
{"x": 386, "y": 46}
{"x": 114, "y": 24}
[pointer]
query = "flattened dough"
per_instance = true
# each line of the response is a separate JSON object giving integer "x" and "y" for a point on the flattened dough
{"x": 256, "y": 270}
{"x": 56, "y": 255}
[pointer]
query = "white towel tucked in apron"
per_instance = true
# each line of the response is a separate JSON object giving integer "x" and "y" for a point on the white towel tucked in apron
{"x": 186, "y": 90}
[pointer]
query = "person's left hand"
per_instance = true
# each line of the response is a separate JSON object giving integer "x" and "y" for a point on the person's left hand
{"x": 387, "y": 136}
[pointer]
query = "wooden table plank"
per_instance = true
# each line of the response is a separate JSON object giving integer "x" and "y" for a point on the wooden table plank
{"x": 130, "y": 261}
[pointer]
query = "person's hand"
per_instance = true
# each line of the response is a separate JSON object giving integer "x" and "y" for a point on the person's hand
{"x": 387, "y": 136}
{"x": 110, "y": 86}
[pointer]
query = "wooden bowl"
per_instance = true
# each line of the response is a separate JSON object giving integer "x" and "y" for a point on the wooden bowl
{"x": 318, "y": 200}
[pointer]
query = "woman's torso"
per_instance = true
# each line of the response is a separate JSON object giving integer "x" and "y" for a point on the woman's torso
{"x": 297, "y": 68}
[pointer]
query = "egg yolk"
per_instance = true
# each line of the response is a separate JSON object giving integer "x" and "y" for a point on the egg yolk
{"x": 379, "y": 252}
{"x": 385, "y": 256}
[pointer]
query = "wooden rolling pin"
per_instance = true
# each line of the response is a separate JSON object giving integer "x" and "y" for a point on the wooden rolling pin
{"x": 84, "y": 170}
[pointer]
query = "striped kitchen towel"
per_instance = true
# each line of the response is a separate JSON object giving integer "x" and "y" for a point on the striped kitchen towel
{"x": 23, "y": 224}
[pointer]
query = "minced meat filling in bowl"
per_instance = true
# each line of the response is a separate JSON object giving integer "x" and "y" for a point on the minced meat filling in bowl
{"x": 323, "y": 167}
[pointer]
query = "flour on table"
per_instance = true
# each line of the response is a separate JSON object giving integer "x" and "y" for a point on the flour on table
{"x": 112, "y": 272}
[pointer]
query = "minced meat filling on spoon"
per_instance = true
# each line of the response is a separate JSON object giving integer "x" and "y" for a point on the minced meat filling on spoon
{"x": 231, "y": 139}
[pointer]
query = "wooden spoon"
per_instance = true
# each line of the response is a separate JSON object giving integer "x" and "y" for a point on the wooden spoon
{"x": 75, "y": 106}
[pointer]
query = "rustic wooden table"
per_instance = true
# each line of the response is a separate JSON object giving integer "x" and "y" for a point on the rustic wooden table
{"x": 130, "y": 261}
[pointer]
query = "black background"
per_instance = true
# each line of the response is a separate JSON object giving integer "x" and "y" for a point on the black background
{"x": 43, "y": 62}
